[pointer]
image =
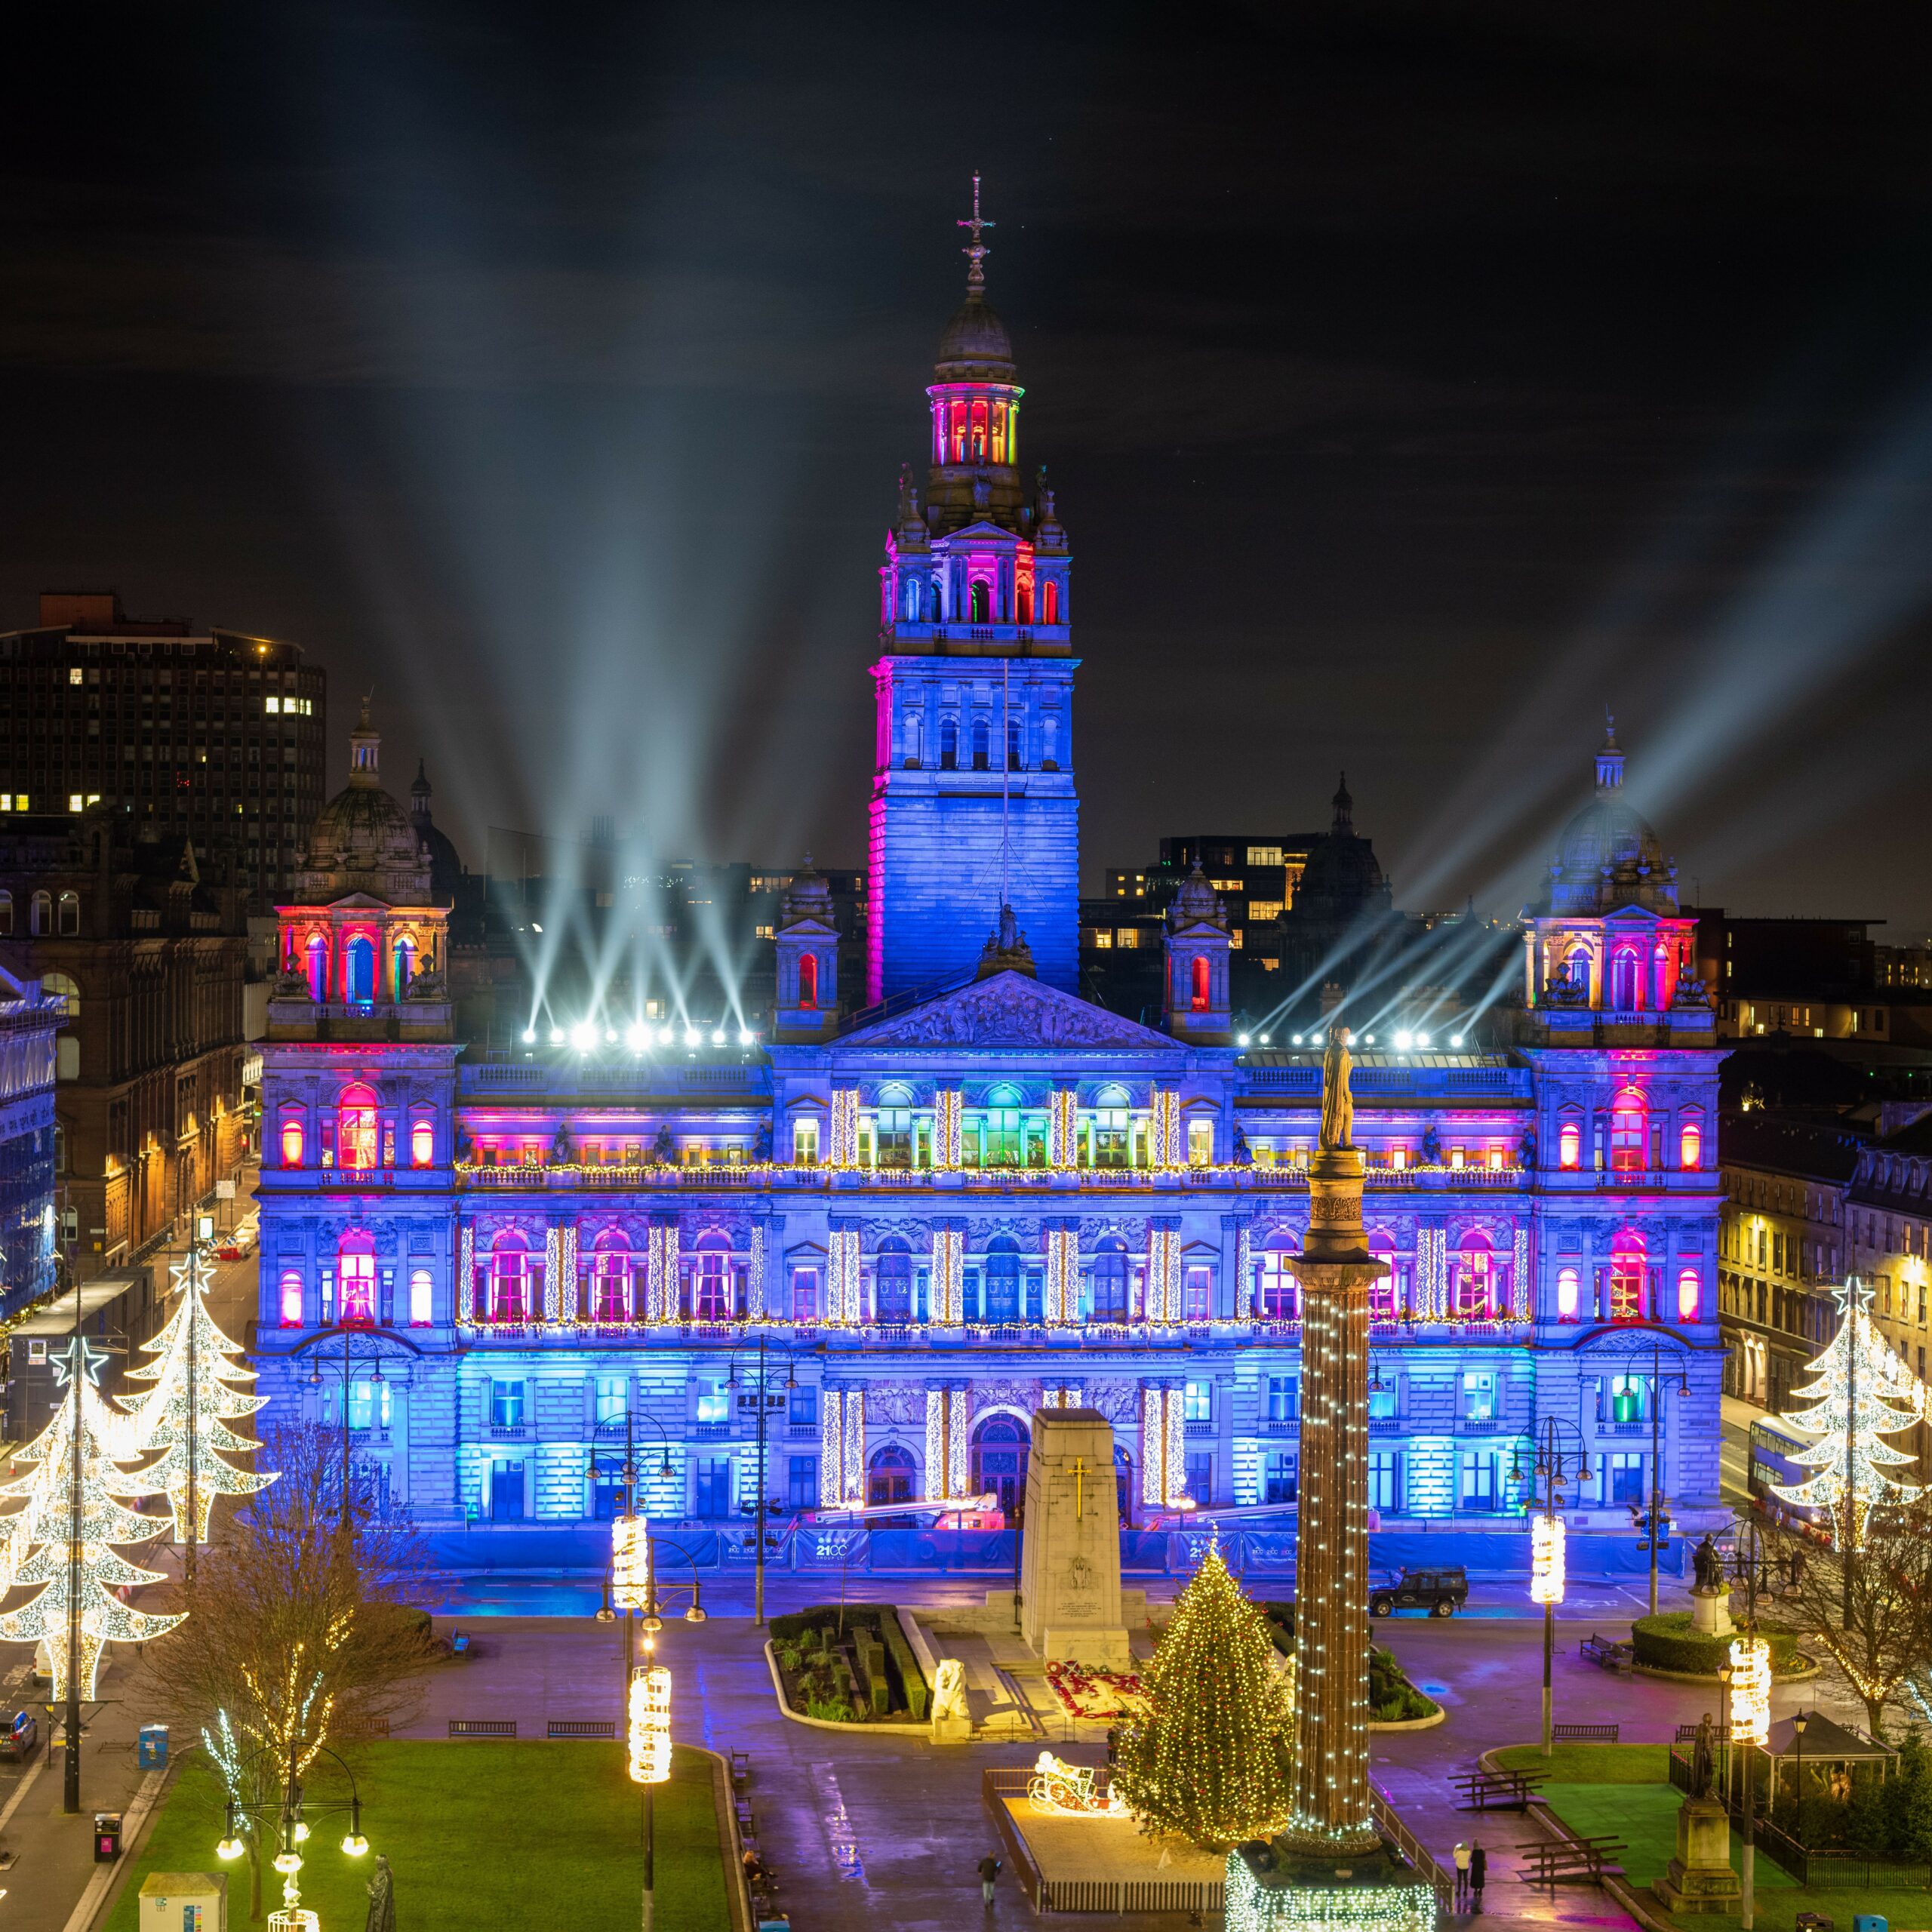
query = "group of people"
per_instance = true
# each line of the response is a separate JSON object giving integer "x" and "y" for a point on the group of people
{"x": 1471, "y": 1875}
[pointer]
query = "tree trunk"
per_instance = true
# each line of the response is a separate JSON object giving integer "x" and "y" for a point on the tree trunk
{"x": 1874, "y": 1716}
{"x": 255, "y": 1913}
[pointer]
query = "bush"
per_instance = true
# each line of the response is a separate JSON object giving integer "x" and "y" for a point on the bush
{"x": 1666, "y": 1641}
{"x": 1393, "y": 1699}
{"x": 913, "y": 1692}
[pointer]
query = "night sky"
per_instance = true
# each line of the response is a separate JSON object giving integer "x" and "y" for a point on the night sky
{"x": 1414, "y": 381}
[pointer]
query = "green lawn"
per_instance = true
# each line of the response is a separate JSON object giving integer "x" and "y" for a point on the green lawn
{"x": 481, "y": 1833}
{"x": 1591, "y": 1764}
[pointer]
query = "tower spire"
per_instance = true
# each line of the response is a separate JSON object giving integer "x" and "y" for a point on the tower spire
{"x": 976, "y": 253}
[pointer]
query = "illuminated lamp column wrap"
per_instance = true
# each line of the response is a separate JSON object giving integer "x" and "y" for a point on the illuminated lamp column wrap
{"x": 948, "y": 1128}
{"x": 1750, "y": 1689}
{"x": 650, "y": 1725}
{"x": 1546, "y": 1559}
{"x": 1062, "y": 1395}
{"x": 560, "y": 1289}
{"x": 1063, "y": 1271}
{"x": 1432, "y": 1273}
{"x": 1164, "y": 1125}
{"x": 842, "y": 1275}
{"x": 1163, "y": 1269}
{"x": 661, "y": 1283}
{"x": 1062, "y": 1128}
{"x": 844, "y": 1149}
{"x": 630, "y": 1562}
{"x": 948, "y": 1272}
{"x": 832, "y": 1448}
{"x": 466, "y": 1276}
{"x": 855, "y": 1447}
{"x": 1519, "y": 1276}
{"x": 1176, "y": 1459}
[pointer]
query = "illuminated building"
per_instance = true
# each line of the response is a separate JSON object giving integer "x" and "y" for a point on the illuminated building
{"x": 947, "y": 1210}
{"x": 29, "y": 1017}
{"x": 1888, "y": 1212}
{"x": 206, "y": 732}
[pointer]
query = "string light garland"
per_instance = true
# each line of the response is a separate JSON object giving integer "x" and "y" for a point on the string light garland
{"x": 650, "y": 1725}
{"x": 1211, "y": 1759}
{"x": 1061, "y": 1790}
{"x": 630, "y": 1562}
{"x": 1253, "y": 1906}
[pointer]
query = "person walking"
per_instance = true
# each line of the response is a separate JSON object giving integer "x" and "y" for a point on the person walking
{"x": 1478, "y": 1875}
{"x": 989, "y": 1872}
{"x": 1461, "y": 1875}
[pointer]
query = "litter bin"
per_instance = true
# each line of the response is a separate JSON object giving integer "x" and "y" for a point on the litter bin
{"x": 1867, "y": 1922}
{"x": 106, "y": 1837}
{"x": 152, "y": 1750}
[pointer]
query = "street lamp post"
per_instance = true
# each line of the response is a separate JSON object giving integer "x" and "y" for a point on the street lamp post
{"x": 628, "y": 1524}
{"x": 291, "y": 1812}
{"x": 763, "y": 1400}
{"x": 648, "y": 1706}
{"x": 1554, "y": 1465}
{"x": 359, "y": 1345}
{"x": 1798, "y": 1722}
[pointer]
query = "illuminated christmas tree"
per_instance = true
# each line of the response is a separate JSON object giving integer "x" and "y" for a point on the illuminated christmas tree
{"x": 1211, "y": 1760}
{"x": 186, "y": 1413}
{"x": 1860, "y": 1393}
{"x": 39, "y": 1549}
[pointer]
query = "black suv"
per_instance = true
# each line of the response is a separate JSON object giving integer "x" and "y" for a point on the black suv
{"x": 1441, "y": 1592}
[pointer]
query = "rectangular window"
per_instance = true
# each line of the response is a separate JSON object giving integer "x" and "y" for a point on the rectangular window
{"x": 1198, "y": 1294}
{"x": 506, "y": 1400}
{"x": 1198, "y": 1402}
{"x": 713, "y": 1488}
{"x": 1201, "y": 1478}
{"x": 713, "y": 1404}
{"x": 1264, "y": 855}
{"x": 1200, "y": 1143}
{"x": 1479, "y": 1488}
{"x": 612, "y": 1396}
{"x": 506, "y": 1491}
{"x": 1623, "y": 1479}
{"x": 801, "y": 1412}
{"x": 1279, "y": 1483}
{"x": 801, "y": 1482}
{"x": 1385, "y": 1481}
{"x": 1283, "y": 1404}
{"x": 804, "y": 1294}
{"x": 1382, "y": 1405}
{"x": 1478, "y": 1394}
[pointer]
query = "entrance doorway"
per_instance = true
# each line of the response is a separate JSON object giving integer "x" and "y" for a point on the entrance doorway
{"x": 1000, "y": 1445}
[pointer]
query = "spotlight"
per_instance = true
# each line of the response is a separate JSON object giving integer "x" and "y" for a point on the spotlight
{"x": 1264, "y": 1039}
{"x": 1368, "y": 1039}
{"x": 1422, "y": 1039}
{"x": 1455, "y": 1039}
{"x": 1297, "y": 1039}
{"x": 664, "y": 1035}
{"x": 583, "y": 1035}
{"x": 529, "y": 1036}
{"x": 746, "y": 1037}
{"x": 556, "y": 1036}
{"x": 691, "y": 1036}
{"x": 1404, "y": 1041}
{"x": 637, "y": 1036}
{"x": 718, "y": 1037}
{"x": 1241, "y": 1039}
{"x": 534, "y": 926}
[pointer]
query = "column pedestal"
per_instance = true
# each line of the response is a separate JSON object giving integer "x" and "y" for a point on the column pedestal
{"x": 1699, "y": 1877}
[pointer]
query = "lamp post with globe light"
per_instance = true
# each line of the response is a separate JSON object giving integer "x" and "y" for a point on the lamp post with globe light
{"x": 291, "y": 1812}
{"x": 762, "y": 1399}
{"x": 1554, "y": 1461}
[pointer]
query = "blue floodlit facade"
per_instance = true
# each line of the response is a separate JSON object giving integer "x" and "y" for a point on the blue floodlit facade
{"x": 29, "y": 1019}
{"x": 965, "y": 1203}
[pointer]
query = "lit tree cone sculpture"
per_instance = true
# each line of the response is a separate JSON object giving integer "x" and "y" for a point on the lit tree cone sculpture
{"x": 1331, "y": 1866}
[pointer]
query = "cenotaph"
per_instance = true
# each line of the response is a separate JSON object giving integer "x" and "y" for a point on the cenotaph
{"x": 1070, "y": 1565}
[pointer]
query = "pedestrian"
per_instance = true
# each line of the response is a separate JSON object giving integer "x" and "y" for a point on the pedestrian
{"x": 989, "y": 1872}
{"x": 1478, "y": 1875}
{"x": 1461, "y": 1875}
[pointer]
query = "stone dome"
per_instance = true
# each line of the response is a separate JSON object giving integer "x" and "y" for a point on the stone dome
{"x": 363, "y": 839}
{"x": 976, "y": 347}
{"x": 1608, "y": 855}
{"x": 1342, "y": 877}
{"x": 1196, "y": 903}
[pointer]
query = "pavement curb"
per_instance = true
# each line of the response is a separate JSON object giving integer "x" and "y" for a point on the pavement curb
{"x": 108, "y": 1878}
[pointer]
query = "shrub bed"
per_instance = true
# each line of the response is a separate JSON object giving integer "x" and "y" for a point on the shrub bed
{"x": 1393, "y": 1699}
{"x": 1666, "y": 1641}
{"x": 853, "y": 1667}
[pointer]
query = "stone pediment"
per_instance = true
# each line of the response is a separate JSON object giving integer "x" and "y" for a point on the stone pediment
{"x": 1010, "y": 1009}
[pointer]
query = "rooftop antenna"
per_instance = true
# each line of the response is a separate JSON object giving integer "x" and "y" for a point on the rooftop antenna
{"x": 976, "y": 275}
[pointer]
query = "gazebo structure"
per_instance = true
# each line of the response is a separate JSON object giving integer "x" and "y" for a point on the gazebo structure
{"x": 1821, "y": 1745}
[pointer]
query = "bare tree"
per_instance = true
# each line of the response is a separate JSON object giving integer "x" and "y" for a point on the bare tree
{"x": 1874, "y": 1627}
{"x": 304, "y": 1632}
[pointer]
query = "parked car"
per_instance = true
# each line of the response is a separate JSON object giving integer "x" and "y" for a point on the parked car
{"x": 1442, "y": 1592}
{"x": 238, "y": 1242}
{"x": 20, "y": 1740}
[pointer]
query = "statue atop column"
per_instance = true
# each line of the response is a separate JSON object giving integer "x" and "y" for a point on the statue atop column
{"x": 1338, "y": 1105}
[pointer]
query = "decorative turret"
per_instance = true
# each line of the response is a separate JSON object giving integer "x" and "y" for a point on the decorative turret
{"x": 1195, "y": 946}
{"x": 807, "y": 941}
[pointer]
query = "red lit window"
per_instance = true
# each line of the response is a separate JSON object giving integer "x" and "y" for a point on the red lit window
{"x": 357, "y": 1264}
{"x": 318, "y": 969}
{"x": 611, "y": 1279}
{"x": 1626, "y": 1133}
{"x": 1050, "y": 602}
{"x": 1201, "y": 1000}
{"x": 1690, "y": 1146}
{"x": 355, "y": 1128}
{"x": 807, "y": 980}
{"x": 1689, "y": 1294}
{"x": 1569, "y": 1143}
{"x": 423, "y": 1143}
{"x": 291, "y": 1142}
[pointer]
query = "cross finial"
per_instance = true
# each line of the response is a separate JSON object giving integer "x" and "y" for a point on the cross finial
{"x": 976, "y": 275}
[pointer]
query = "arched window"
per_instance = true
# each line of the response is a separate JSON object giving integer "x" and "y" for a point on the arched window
{"x": 40, "y": 918}
{"x": 610, "y": 1278}
{"x": 1625, "y": 985}
{"x": 423, "y": 1143}
{"x": 1050, "y": 598}
{"x": 1569, "y": 1141}
{"x": 291, "y": 1297}
{"x": 808, "y": 980}
{"x": 1201, "y": 998}
{"x": 712, "y": 1280}
{"x": 1475, "y": 1279}
{"x": 949, "y": 744}
{"x": 1026, "y": 601}
{"x": 510, "y": 1277}
{"x": 977, "y": 446}
{"x": 1277, "y": 1292}
{"x": 1569, "y": 1293}
{"x": 355, "y": 1269}
{"x": 420, "y": 1292}
{"x": 889, "y": 1479}
{"x": 1110, "y": 1279}
{"x": 895, "y": 1281}
{"x": 1690, "y": 1146}
{"x": 70, "y": 915}
{"x": 979, "y": 601}
{"x": 405, "y": 965}
{"x": 356, "y": 1127}
{"x": 1662, "y": 980}
{"x": 1013, "y": 761}
{"x": 318, "y": 969}
{"x": 909, "y": 736}
{"x": 359, "y": 970}
{"x": 291, "y": 1140}
{"x": 1002, "y": 1279}
{"x": 1689, "y": 1294}
{"x": 1000, "y": 1448}
{"x": 1626, "y": 1276}
{"x": 6, "y": 914}
{"x": 981, "y": 745}
{"x": 1626, "y": 1132}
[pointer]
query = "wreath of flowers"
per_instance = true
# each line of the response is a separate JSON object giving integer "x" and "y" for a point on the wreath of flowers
{"x": 1094, "y": 1693}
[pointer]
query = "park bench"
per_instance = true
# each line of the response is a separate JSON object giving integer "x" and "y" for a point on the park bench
{"x": 482, "y": 1727}
{"x": 591, "y": 1727}
{"x": 459, "y": 1643}
{"x": 741, "y": 1769}
{"x": 1605, "y": 1651}
{"x": 1496, "y": 1791}
{"x": 1583, "y": 1733}
{"x": 1555, "y": 1862}
{"x": 1687, "y": 1733}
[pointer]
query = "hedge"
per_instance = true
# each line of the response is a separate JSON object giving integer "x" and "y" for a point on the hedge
{"x": 1666, "y": 1641}
{"x": 1392, "y": 1698}
{"x": 912, "y": 1679}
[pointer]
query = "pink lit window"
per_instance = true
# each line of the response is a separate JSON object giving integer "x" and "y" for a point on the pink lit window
{"x": 1569, "y": 1144}
{"x": 807, "y": 980}
{"x": 1627, "y": 1134}
{"x": 1691, "y": 1146}
{"x": 357, "y": 1265}
{"x": 355, "y": 1134}
{"x": 292, "y": 1143}
{"x": 419, "y": 1292}
{"x": 1626, "y": 1278}
{"x": 713, "y": 1286}
{"x": 1201, "y": 1000}
{"x": 509, "y": 1279}
{"x": 1276, "y": 1291}
{"x": 611, "y": 1279}
{"x": 1689, "y": 1294}
{"x": 1381, "y": 1294}
{"x": 423, "y": 1143}
{"x": 291, "y": 1298}
{"x": 1476, "y": 1280}
{"x": 1568, "y": 1293}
